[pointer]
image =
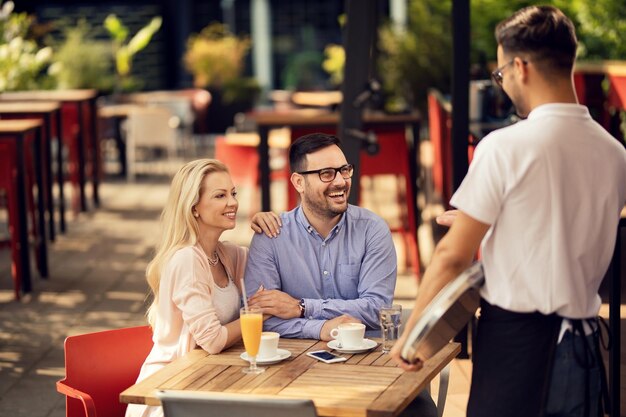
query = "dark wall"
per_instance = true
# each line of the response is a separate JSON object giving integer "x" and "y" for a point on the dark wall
{"x": 300, "y": 30}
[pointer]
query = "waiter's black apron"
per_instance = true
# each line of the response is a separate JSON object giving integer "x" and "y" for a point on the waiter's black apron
{"x": 512, "y": 361}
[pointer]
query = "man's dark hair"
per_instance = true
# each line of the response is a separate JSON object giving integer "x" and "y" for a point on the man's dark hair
{"x": 544, "y": 34}
{"x": 308, "y": 144}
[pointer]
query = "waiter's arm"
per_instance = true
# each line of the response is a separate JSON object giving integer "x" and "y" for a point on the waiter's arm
{"x": 453, "y": 254}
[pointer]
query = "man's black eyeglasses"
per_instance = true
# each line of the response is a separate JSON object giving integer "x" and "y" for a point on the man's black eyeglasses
{"x": 329, "y": 174}
{"x": 497, "y": 74}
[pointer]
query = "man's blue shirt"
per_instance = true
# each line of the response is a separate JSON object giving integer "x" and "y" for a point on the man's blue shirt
{"x": 352, "y": 271}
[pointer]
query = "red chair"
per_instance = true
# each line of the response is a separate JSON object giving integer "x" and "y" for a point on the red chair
{"x": 99, "y": 366}
{"x": 616, "y": 103}
{"x": 242, "y": 162}
{"x": 439, "y": 125}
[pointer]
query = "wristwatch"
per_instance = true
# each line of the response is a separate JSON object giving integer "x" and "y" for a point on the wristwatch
{"x": 301, "y": 305}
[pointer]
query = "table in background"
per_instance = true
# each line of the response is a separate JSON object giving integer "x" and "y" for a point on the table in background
{"x": 79, "y": 98}
{"x": 367, "y": 384}
{"x": 17, "y": 131}
{"x": 49, "y": 112}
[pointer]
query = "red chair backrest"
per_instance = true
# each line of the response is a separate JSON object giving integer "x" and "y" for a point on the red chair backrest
{"x": 439, "y": 125}
{"x": 103, "y": 364}
{"x": 242, "y": 161}
{"x": 580, "y": 87}
{"x": 617, "y": 91}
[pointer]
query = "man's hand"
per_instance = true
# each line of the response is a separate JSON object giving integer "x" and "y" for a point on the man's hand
{"x": 266, "y": 222}
{"x": 331, "y": 324}
{"x": 395, "y": 355}
{"x": 276, "y": 303}
{"x": 447, "y": 218}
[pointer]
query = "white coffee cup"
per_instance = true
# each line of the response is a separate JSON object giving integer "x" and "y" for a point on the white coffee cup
{"x": 269, "y": 345}
{"x": 349, "y": 335}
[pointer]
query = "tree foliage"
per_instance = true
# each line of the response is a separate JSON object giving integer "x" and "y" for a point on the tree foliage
{"x": 421, "y": 57}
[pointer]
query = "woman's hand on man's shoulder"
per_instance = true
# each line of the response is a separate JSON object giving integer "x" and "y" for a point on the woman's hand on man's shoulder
{"x": 267, "y": 222}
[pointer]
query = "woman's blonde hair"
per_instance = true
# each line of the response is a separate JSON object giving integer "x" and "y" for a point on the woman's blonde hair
{"x": 179, "y": 228}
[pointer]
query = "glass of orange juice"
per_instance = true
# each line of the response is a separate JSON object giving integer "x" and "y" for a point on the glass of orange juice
{"x": 251, "y": 319}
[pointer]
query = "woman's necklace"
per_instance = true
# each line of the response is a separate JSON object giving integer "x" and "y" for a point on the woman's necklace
{"x": 214, "y": 260}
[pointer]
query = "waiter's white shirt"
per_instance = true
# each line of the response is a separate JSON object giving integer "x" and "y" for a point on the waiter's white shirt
{"x": 552, "y": 188}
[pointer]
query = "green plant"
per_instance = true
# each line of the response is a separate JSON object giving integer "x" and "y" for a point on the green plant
{"x": 334, "y": 63}
{"x": 22, "y": 60}
{"x": 415, "y": 60}
{"x": 81, "y": 61}
{"x": 215, "y": 58}
{"x": 125, "y": 51}
{"x": 420, "y": 58}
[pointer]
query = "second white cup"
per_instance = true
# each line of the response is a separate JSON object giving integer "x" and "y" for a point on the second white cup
{"x": 269, "y": 345}
{"x": 349, "y": 335}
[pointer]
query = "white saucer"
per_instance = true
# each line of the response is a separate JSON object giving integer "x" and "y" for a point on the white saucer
{"x": 367, "y": 345}
{"x": 281, "y": 356}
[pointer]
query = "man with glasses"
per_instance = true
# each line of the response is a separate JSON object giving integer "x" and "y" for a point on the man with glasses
{"x": 332, "y": 262}
{"x": 542, "y": 200}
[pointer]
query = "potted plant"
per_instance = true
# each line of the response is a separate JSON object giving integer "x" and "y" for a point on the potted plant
{"x": 82, "y": 61}
{"x": 215, "y": 57}
{"x": 125, "y": 51}
{"x": 22, "y": 60}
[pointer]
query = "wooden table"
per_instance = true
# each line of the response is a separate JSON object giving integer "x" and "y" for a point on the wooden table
{"x": 368, "y": 384}
{"x": 310, "y": 118}
{"x": 17, "y": 131}
{"x": 50, "y": 113}
{"x": 86, "y": 131}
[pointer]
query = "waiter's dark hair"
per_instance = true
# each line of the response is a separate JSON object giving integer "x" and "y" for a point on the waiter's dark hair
{"x": 308, "y": 144}
{"x": 543, "y": 35}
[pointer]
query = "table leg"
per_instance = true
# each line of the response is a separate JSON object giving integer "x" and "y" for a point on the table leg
{"x": 59, "y": 156}
{"x": 49, "y": 181}
{"x": 42, "y": 244}
{"x": 414, "y": 165}
{"x": 23, "y": 247}
{"x": 95, "y": 144}
{"x": 82, "y": 139}
{"x": 264, "y": 167}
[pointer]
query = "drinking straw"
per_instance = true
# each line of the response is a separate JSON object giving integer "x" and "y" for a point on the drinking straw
{"x": 245, "y": 297}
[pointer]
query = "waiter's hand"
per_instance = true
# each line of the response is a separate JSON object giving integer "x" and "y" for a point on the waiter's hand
{"x": 447, "y": 218}
{"x": 276, "y": 303}
{"x": 395, "y": 355}
{"x": 331, "y": 324}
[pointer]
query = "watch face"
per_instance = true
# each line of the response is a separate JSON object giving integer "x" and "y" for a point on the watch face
{"x": 301, "y": 304}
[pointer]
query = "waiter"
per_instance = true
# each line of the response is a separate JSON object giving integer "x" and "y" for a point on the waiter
{"x": 542, "y": 199}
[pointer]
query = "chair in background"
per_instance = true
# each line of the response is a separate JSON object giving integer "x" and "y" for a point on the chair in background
{"x": 239, "y": 151}
{"x": 392, "y": 144}
{"x": 440, "y": 125}
{"x": 207, "y": 404}
{"x": 242, "y": 161}
{"x": 616, "y": 103}
{"x": 99, "y": 366}
{"x": 148, "y": 128}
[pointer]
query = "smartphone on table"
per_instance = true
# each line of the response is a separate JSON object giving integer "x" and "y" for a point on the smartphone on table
{"x": 326, "y": 356}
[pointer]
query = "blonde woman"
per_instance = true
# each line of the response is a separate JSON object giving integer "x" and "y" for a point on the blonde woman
{"x": 195, "y": 278}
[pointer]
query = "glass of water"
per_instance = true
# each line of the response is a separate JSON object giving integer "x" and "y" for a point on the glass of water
{"x": 390, "y": 325}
